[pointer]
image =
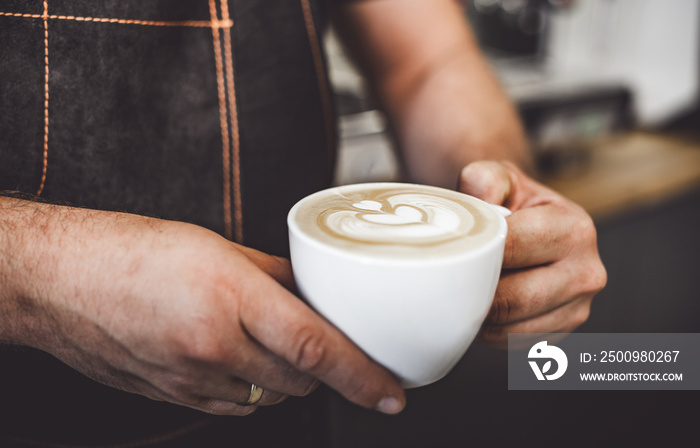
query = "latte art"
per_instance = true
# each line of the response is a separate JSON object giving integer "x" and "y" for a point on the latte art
{"x": 397, "y": 220}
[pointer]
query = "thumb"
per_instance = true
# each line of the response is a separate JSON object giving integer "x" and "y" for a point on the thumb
{"x": 291, "y": 330}
{"x": 487, "y": 180}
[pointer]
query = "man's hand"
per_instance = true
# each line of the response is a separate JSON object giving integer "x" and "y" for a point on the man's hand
{"x": 551, "y": 264}
{"x": 170, "y": 311}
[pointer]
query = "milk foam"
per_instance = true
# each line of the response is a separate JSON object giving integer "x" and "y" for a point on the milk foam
{"x": 397, "y": 220}
{"x": 402, "y": 218}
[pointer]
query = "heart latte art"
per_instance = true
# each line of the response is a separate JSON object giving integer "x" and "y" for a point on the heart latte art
{"x": 397, "y": 220}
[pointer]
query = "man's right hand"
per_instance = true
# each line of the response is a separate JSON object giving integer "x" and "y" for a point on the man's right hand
{"x": 171, "y": 311}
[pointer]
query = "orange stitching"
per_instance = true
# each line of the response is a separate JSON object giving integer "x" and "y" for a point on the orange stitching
{"x": 46, "y": 99}
{"x": 237, "y": 209}
{"x": 222, "y": 121}
{"x": 191, "y": 23}
{"x": 215, "y": 24}
{"x": 320, "y": 75}
{"x": 29, "y": 16}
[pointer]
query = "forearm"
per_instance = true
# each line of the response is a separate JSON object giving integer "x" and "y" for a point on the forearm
{"x": 444, "y": 103}
{"x": 23, "y": 227}
{"x": 47, "y": 266}
{"x": 457, "y": 115}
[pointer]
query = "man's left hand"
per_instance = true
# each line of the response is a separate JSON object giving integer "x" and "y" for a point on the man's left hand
{"x": 551, "y": 265}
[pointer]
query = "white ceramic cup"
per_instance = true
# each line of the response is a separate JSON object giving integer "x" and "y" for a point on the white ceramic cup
{"x": 415, "y": 315}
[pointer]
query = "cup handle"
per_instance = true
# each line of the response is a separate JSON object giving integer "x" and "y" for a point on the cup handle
{"x": 502, "y": 210}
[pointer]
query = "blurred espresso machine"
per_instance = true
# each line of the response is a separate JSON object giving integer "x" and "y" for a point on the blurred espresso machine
{"x": 578, "y": 70}
{"x": 582, "y": 69}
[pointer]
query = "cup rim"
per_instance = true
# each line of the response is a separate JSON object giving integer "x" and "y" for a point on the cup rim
{"x": 380, "y": 259}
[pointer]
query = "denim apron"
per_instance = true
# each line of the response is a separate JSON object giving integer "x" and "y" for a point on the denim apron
{"x": 206, "y": 111}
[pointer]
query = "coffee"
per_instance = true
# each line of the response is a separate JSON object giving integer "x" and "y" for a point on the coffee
{"x": 397, "y": 220}
{"x": 407, "y": 272}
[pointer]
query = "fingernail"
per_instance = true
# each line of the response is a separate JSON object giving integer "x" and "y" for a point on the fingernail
{"x": 390, "y": 405}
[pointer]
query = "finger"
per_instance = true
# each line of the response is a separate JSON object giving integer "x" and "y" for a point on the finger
{"x": 227, "y": 372}
{"x": 544, "y": 226}
{"x": 261, "y": 366}
{"x": 290, "y": 329}
{"x": 221, "y": 407}
{"x": 239, "y": 391}
{"x": 487, "y": 180}
{"x": 503, "y": 183}
{"x": 526, "y": 293}
{"x": 209, "y": 383}
{"x": 564, "y": 319}
{"x": 545, "y": 234}
{"x": 218, "y": 406}
{"x": 215, "y": 406}
{"x": 523, "y": 294}
{"x": 235, "y": 390}
{"x": 152, "y": 390}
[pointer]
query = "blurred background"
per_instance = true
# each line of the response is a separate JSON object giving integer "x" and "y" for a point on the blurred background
{"x": 608, "y": 92}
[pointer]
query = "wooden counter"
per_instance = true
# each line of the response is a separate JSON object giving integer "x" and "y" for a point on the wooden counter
{"x": 631, "y": 171}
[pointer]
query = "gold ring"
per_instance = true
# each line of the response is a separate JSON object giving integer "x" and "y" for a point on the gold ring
{"x": 256, "y": 393}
